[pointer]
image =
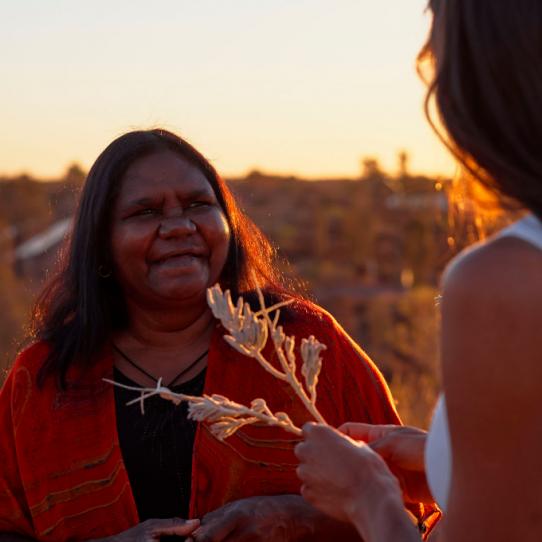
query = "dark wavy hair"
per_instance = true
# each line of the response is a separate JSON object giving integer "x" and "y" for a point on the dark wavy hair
{"x": 486, "y": 58}
{"x": 78, "y": 310}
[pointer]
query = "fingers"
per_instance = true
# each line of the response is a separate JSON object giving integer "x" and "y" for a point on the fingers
{"x": 308, "y": 427}
{"x": 312, "y": 430}
{"x": 308, "y": 494}
{"x": 216, "y": 530}
{"x": 401, "y": 446}
{"x": 300, "y": 451}
{"x": 303, "y": 473}
{"x": 384, "y": 446}
{"x": 171, "y": 527}
{"x": 313, "y": 451}
{"x": 355, "y": 430}
{"x": 215, "y": 536}
{"x": 308, "y": 477}
{"x": 318, "y": 440}
{"x": 313, "y": 433}
{"x": 366, "y": 431}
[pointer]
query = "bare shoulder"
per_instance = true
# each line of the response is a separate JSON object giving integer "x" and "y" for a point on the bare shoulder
{"x": 492, "y": 375}
{"x": 495, "y": 266}
{"x": 492, "y": 305}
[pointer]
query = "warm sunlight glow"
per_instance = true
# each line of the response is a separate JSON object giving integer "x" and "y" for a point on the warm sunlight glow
{"x": 302, "y": 88}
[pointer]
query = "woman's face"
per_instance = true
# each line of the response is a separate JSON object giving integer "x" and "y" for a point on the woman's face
{"x": 169, "y": 235}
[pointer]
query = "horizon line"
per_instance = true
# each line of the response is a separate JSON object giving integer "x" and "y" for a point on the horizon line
{"x": 241, "y": 175}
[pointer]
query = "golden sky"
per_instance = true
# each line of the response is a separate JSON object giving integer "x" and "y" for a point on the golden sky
{"x": 302, "y": 87}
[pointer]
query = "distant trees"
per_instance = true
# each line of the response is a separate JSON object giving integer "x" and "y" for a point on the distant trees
{"x": 370, "y": 167}
{"x": 403, "y": 163}
{"x": 27, "y": 207}
{"x": 15, "y": 298}
{"x": 24, "y": 204}
{"x": 75, "y": 175}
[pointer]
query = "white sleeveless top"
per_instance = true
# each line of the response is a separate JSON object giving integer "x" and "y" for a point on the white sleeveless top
{"x": 438, "y": 450}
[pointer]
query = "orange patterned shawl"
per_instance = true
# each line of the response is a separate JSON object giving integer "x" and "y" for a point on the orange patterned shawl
{"x": 62, "y": 475}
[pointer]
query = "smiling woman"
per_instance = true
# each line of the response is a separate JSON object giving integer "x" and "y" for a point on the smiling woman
{"x": 156, "y": 226}
{"x": 169, "y": 235}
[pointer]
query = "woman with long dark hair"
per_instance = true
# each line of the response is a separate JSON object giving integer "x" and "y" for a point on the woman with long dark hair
{"x": 156, "y": 227}
{"x": 481, "y": 458}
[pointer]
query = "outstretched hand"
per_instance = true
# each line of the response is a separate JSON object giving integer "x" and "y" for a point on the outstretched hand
{"x": 270, "y": 518}
{"x": 402, "y": 448}
{"x": 153, "y": 529}
{"x": 340, "y": 476}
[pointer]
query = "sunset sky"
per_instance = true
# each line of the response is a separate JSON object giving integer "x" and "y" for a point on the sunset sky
{"x": 304, "y": 87}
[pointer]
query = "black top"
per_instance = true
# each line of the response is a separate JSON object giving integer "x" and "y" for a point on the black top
{"x": 157, "y": 449}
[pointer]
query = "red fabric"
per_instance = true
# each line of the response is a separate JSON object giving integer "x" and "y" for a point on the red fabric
{"x": 62, "y": 476}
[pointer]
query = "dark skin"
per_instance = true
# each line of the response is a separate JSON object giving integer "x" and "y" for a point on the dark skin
{"x": 278, "y": 518}
{"x": 154, "y": 529}
{"x": 147, "y": 531}
{"x": 281, "y": 518}
{"x": 402, "y": 448}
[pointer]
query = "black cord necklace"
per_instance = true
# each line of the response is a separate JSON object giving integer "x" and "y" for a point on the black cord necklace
{"x": 140, "y": 369}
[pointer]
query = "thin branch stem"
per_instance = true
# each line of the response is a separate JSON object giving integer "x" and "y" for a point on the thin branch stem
{"x": 268, "y": 367}
{"x": 268, "y": 419}
{"x": 274, "y": 307}
{"x": 245, "y": 415}
{"x": 289, "y": 371}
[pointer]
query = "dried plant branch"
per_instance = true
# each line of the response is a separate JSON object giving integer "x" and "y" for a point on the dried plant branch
{"x": 228, "y": 416}
{"x": 248, "y": 334}
{"x": 224, "y": 416}
{"x": 312, "y": 364}
{"x": 160, "y": 390}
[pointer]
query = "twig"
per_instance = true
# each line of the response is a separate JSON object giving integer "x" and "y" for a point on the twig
{"x": 225, "y": 416}
{"x": 248, "y": 333}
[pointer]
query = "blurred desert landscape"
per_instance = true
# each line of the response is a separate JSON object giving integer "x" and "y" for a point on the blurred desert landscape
{"x": 370, "y": 250}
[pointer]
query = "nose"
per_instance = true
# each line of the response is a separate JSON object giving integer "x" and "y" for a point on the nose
{"x": 174, "y": 225}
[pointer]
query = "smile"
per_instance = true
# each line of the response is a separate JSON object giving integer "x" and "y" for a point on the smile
{"x": 178, "y": 260}
{"x": 178, "y": 254}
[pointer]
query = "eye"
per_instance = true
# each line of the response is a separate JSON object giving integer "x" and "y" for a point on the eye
{"x": 196, "y": 204}
{"x": 148, "y": 211}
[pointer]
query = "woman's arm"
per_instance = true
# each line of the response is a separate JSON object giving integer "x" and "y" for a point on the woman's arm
{"x": 492, "y": 375}
{"x": 352, "y": 389}
{"x": 388, "y": 523}
{"x": 403, "y": 450}
{"x": 348, "y": 481}
{"x": 153, "y": 529}
{"x": 273, "y": 519}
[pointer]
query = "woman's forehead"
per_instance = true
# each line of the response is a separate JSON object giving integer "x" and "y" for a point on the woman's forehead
{"x": 163, "y": 170}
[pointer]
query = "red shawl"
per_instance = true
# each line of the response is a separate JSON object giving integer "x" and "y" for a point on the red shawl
{"x": 62, "y": 476}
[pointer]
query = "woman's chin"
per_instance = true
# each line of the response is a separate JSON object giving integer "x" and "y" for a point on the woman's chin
{"x": 180, "y": 278}
{"x": 179, "y": 266}
{"x": 182, "y": 291}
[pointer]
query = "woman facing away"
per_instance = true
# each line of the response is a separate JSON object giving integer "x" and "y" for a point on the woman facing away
{"x": 156, "y": 226}
{"x": 483, "y": 452}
